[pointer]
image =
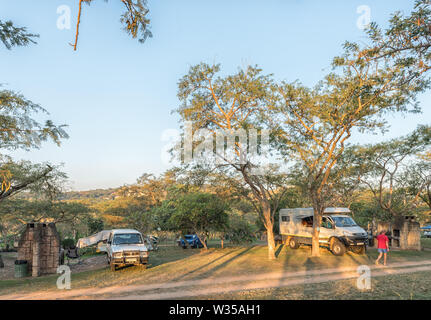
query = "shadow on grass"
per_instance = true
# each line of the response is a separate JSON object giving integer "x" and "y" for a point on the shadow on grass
{"x": 278, "y": 251}
{"x": 218, "y": 266}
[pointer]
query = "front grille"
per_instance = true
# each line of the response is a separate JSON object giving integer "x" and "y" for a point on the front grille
{"x": 128, "y": 254}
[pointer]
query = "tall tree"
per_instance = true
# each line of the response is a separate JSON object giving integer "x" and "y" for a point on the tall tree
{"x": 316, "y": 124}
{"x": 230, "y": 105}
{"x": 386, "y": 168}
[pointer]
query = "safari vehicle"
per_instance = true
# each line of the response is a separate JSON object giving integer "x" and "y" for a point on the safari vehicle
{"x": 126, "y": 247}
{"x": 338, "y": 230}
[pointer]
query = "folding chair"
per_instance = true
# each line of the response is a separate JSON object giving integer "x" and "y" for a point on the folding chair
{"x": 72, "y": 254}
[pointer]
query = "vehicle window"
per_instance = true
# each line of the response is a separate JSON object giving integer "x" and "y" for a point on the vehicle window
{"x": 127, "y": 238}
{"x": 326, "y": 223}
{"x": 307, "y": 222}
{"x": 285, "y": 218}
{"x": 344, "y": 221}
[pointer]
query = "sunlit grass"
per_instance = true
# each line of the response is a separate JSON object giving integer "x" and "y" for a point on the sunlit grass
{"x": 172, "y": 263}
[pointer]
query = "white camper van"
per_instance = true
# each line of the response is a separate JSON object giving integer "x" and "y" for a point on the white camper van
{"x": 338, "y": 230}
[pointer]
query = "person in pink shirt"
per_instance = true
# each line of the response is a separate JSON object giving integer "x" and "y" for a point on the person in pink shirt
{"x": 382, "y": 246}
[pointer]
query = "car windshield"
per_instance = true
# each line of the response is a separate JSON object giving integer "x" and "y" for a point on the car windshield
{"x": 127, "y": 238}
{"x": 344, "y": 221}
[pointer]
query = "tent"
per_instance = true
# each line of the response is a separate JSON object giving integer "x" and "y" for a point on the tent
{"x": 93, "y": 239}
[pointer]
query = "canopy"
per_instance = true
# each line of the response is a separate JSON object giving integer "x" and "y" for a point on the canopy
{"x": 427, "y": 227}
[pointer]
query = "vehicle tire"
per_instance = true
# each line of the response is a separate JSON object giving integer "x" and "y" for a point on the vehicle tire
{"x": 113, "y": 267}
{"x": 293, "y": 243}
{"x": 338, "y": 248}
{"x": 358, "y": 249}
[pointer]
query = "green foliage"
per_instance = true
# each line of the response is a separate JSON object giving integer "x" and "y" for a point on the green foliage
{"x": 19, "y": 129}
{"x": 386, "y": 169}
{"x": 30, "y": 180}
{"x": 67, "y": 243}
{"x": 199, "y": 213}
{"x": 239, "y": 231}
{"x": 11, "y": 35}
{"x": 405, "y": 42}
{"x": 94, "y": 225}
{"x": 135, "y": 18}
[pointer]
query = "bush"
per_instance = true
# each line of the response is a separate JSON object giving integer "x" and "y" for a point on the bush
{"x": 67, "y": 243}
{"x": 239, "y": 231}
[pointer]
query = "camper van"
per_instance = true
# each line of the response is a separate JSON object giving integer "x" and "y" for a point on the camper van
{"x": 338, "y": 231}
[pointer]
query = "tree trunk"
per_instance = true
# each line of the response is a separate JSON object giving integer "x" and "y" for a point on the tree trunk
{"x": 317, "y": 220}
{"x": 1, "y": 262}
{"x": 269, "y": 225}
{"x": 271, "y": 243}
{"x": 203, "y": 239}
{"x": 315, "y": 246}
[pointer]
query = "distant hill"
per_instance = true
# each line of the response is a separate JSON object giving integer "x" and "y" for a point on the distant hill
{"x": 101, "y": 194}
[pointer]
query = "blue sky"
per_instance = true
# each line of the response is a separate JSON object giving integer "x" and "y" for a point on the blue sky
{"x": 117, "y": 95}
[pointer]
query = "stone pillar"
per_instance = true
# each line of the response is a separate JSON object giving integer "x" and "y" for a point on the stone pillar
{"x": 36, "y": 251}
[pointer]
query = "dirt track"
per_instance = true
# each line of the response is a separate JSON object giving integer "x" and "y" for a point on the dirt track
{"x": 191, "y": 288}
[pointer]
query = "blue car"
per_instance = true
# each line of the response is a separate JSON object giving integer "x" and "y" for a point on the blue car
{"x": 192, "y": 240}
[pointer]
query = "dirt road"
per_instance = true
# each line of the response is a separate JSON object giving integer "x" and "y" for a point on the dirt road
{"x": 207, "y": 286}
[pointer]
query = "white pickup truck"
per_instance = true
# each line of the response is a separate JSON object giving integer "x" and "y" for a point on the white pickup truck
{"x": 338, "y": 230}
{"x": 126, "y": 247}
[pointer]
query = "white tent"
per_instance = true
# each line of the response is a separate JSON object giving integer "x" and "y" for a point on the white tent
{"x": 93, "y": 239}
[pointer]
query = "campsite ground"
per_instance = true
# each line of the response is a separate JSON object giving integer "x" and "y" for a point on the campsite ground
{"x": 238, "y": 273}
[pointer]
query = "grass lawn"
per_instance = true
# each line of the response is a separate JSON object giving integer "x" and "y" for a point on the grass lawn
{"x": 400, "y": 287}
{"x": 173, "y": 263}
{"x": 426, "y": 242}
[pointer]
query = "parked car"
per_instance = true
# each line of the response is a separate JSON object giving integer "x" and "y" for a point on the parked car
{"x": 338, "y": 231}
{"x": 427, "y": 234}
{"x": 192, "y": 240}
{"x": 126, "y": 247}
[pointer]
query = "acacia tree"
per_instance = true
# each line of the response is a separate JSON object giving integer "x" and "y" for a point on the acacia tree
{"x": 231, "y": 105}
{"x": 418, "y": 179}
{"x": 19, "y": 129}
{"x": 386, "y": 168}
{"x": 315, "y": 124}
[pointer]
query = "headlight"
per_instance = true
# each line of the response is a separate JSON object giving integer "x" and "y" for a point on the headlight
{"x": 118, "y": 254}
{"x": 347, "y": 233}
